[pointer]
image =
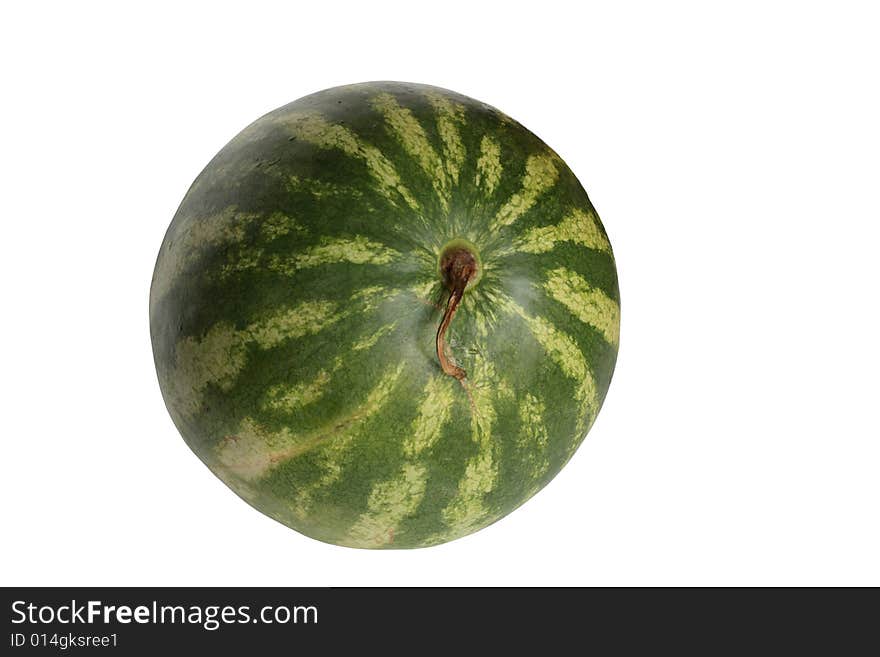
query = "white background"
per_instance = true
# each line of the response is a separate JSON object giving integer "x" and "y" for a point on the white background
{"x": 733, "y": 155}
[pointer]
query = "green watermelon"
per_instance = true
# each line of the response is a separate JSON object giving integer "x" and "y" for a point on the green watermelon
{"x": 385, "y": 315}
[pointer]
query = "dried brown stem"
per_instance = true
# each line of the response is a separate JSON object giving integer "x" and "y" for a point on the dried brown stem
{"x": 458, "y": 267}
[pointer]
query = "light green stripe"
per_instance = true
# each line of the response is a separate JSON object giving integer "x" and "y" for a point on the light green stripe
{"x": 306, "y": 318}
{"x": 563, "y": 351}
{"x": 450, "y": 115}
{"x": 356, "y": 250}
{"x": 278, "y": 225}
{"x": 541, "y": 174}
{"x": 367, "y": 299}
{"x": 389, "y": 503}
{"x": 320, "y": 189}
{"x": 489, "y": 166}
{"x": 290, "y": 398}
{"x": 434, "y": 411}
{"x": 589, "y": 304}
{"x": 315, "y": 129}
{"x": 371, "y": 340}
{"x": 468, "y": 509}
{"x": 578, "y": 227}
{"x": 411, "y": 135}
{"x": 424, "y": 290}
{"x": 533, "y": 438}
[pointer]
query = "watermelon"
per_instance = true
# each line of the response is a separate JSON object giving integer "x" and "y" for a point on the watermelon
{"x": 385, "y": 315}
